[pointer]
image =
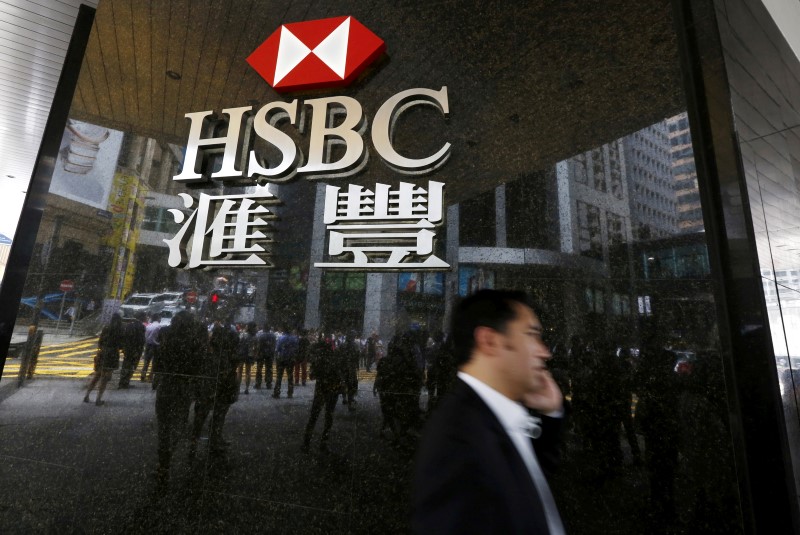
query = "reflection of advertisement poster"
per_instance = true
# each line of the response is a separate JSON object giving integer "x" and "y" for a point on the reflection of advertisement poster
{"x": 471, "y": 279}
{"x": 409, "y": 282}
{"x": 428, "y": 282}
{"x": 86, "y": 163}
{"x": 434, "y": 283}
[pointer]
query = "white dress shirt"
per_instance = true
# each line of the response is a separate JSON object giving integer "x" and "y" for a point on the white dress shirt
{"x": 514, "y": 418}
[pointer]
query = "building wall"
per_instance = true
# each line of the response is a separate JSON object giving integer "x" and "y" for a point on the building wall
{"x": 649, "y": 172}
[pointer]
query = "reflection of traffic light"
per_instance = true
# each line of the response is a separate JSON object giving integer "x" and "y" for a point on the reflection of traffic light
{"x": 213, "y": 301}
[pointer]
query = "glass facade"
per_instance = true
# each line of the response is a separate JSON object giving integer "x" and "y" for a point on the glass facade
{"x": 570, "y": 173}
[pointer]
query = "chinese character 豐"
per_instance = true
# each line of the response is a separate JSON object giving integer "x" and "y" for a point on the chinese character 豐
{"x": 388, "y": 228}
{"x": 224, "y": 230}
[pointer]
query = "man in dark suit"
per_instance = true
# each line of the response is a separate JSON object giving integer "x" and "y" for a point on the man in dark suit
{"x": 478, "y": 469}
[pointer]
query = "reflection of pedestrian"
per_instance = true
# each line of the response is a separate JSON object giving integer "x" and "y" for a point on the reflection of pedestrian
{"x": 348, "y": 359}
{"x": 266, "y": 355}
{"x": 107, "y": 360}
{"x": 398, "y": 382}
{"x": 285, "y": 352}
{"x": 301, "y": 362}
{"x": 248, "y": 350}
{"x": 151, "y": 343}
{"x": 71, "y": 313}
{"x": 441, "y": 371}
{"x": 182, "y": 349}
{"x": 218, "y": 387}
{"x": 658, "y": 420}
{"x": 372, "y": 348}
{"x": 132, "y": 348}
{"x": 477, "y": 469}
{"x": 327, "y": 372}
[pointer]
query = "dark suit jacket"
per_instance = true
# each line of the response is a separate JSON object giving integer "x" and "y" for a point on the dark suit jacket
{"x": 469, "y": 477}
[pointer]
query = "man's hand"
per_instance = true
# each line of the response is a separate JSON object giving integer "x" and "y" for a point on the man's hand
{"x": 547, "y": 399}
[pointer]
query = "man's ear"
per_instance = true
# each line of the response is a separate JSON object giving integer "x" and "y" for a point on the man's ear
{"x": 486, "y": 340}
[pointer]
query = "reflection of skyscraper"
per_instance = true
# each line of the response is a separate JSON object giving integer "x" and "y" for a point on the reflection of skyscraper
{"x": 598, "y": 215}
{"x": 684, "y": 173}
{"x": 650, "y": 183}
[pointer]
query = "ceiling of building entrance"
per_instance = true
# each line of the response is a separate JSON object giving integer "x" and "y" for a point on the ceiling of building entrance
{"x": 565, "y": 76}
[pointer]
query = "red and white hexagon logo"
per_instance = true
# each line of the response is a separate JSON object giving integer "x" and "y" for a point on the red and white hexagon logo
{"x": 316, "y": 54}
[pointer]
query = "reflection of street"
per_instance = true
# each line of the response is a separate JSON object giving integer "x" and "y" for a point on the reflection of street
{"x": 76, "y": 360}
{"x": 93, "y": 473}
{"x": 71, "y": 359}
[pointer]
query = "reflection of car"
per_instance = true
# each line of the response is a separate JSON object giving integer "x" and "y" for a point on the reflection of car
{"x": 167, "y": 299}
{"x": 137, "y": 303}
{"x": 684, "y": 361}
{"x": 167, "y": 313}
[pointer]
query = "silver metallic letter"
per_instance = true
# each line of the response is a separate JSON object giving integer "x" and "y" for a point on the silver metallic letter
{"x": 230, "y": 143}
{"x": 267, "y": 131}
{"x": 383, "y": 130}
{"x": 348, "y": 133}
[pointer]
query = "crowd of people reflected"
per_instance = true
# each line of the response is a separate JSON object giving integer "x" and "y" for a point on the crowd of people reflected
{"x": 634, "y": 413}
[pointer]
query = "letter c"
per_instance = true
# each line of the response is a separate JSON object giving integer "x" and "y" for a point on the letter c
{"x": 383, "y": 129}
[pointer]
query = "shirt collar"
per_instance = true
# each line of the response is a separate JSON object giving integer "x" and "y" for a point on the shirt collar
{"x": 512, "y": 415}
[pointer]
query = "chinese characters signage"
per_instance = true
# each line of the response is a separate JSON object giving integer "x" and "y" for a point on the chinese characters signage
{"x": 369, "y": 228}
{"x": 224, "y": 230}
{"x": 396, "y": 223}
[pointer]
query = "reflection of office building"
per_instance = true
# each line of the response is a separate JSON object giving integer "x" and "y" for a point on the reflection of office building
{"x": 593, "y": 201}
{"x": 684, "y": 173}
{"x": 649, "y": 172}
{"x": 571, "y": 219}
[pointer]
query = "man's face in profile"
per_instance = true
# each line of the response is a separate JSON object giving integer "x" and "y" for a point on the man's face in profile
{"x": 524, "y": 353}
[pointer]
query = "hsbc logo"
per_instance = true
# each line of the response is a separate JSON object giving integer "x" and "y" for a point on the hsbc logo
{"x": 303, "y": 55}
{"x": 374, "y": 228}
{"x": 316, "y": 54}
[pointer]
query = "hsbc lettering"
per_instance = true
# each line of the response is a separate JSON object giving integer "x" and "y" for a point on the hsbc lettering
{"x": 338, "y": 120}
{"x": 375, "y": 226}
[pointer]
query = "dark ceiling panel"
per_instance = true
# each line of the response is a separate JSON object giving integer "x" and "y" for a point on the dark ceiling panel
{"x": 159, "y": 38}
{"x": 111, "y": 69}
{"x": 527, "y": 87}
{"x": 177, "y": 30}
{"x": 128, "y": 54}
{"x": 228, "y": 74}
{"x": 97, "y": 72}
{"x": 203, "y": 59}
{"x": 142, "y": 36}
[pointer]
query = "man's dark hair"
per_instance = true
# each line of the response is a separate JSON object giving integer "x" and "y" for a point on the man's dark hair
{"x": 484, "y": 308}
